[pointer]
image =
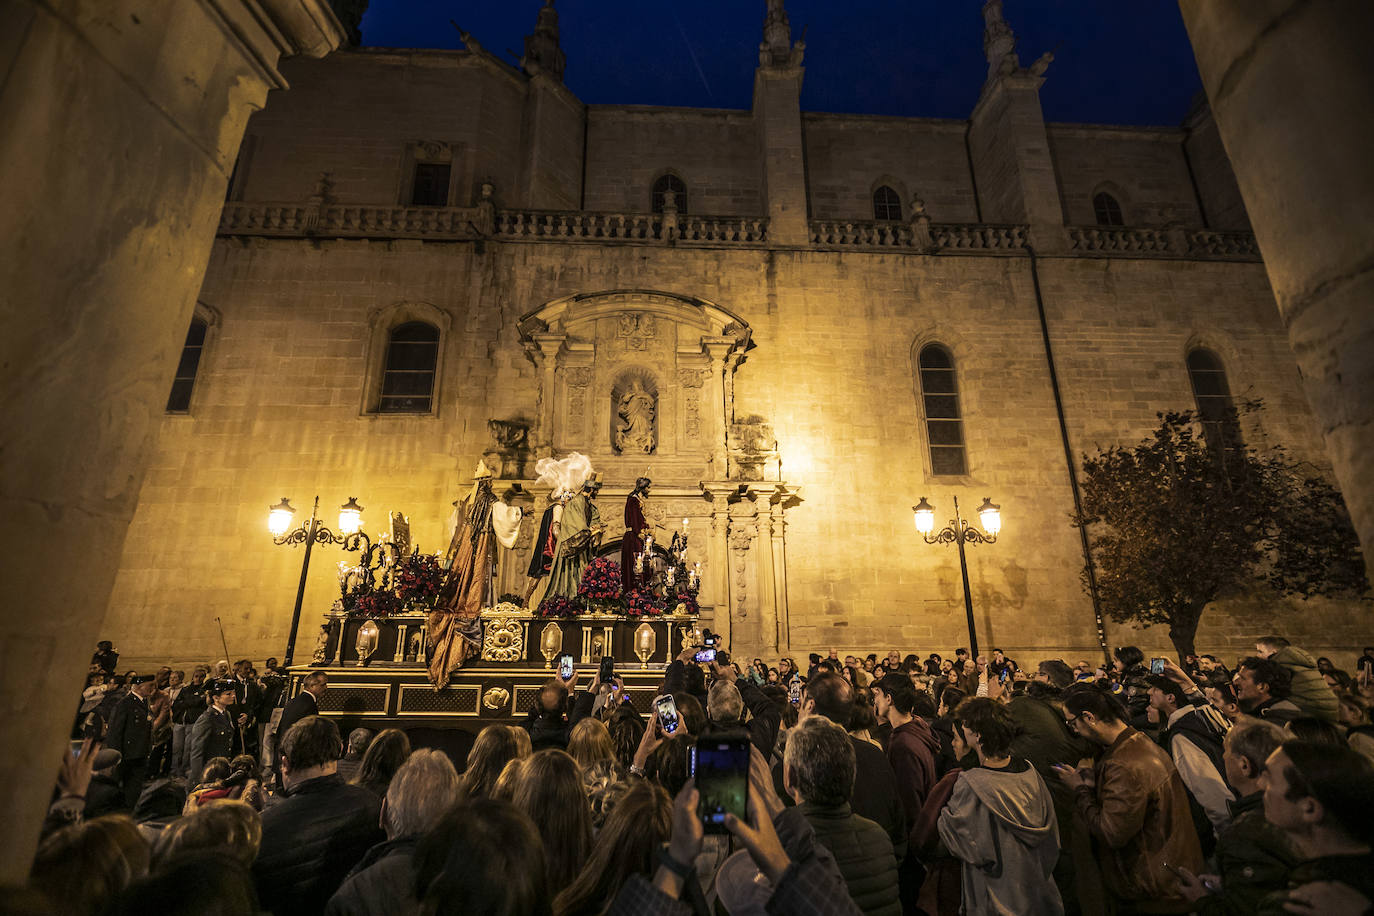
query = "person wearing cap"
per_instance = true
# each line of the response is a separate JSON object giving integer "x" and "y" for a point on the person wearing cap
{"x": 1193, "y": 737}
{"x": 131, "y": 733}
{"x": 212, "y": 735}
{"x": 1323, "y": 797}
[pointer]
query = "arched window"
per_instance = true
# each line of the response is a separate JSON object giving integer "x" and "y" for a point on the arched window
{"x": 1107, "y": 210}
{"x": 408, "y": 381}
{"x": 179, "y": 401}
{"x": 672, "y": 183}
{"x": 940, "y": 398}
{"x": 1215, "y": 410}
{"x": 887, "y": 204}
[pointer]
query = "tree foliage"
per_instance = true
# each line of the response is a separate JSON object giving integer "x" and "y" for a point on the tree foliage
{"x": 1178, "y": 521}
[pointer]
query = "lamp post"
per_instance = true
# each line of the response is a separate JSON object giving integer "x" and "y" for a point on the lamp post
{"x": 960, "y": 532}
{"x": 350, "y": 536}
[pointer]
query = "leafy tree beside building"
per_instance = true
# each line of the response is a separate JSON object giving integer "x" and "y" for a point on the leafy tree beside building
{"x": 1192, "y": 514}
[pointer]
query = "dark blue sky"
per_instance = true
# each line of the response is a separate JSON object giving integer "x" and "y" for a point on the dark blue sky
{"x": 1117, "y": 61}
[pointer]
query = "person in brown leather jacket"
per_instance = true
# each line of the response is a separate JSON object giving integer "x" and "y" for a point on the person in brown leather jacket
{"x": 1134, "y": 806}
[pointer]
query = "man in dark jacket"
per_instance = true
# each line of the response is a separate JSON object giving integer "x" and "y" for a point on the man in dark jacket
{"x": 305, "y": 703}
{"x": 421, "y": 793}
{"x": 1253, "y": 856}
{"x": 818, "y": 771}
{"x": 131, "y": 733}
{"x": 874, "y": 794}
{"x": 313, "y": 837}
{"x": 912, "y": 748}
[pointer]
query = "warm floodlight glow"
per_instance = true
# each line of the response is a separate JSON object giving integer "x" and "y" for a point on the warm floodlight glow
{"x": 279, "y": 517}
{"x": 925, "y": 516}
{"x": 991, "y": 515}
{"x": 350, "y": 517}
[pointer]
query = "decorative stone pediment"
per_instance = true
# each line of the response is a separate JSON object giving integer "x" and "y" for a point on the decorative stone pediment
{"x": 636, "y": 379}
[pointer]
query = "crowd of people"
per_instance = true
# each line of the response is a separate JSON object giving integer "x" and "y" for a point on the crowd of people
{"x": 893, "y": 785}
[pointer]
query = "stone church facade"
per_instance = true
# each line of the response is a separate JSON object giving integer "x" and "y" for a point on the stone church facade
{"x": 429, "y": 258}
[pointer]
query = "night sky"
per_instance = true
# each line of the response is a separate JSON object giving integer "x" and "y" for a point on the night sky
{"x": 1116, "y": 61}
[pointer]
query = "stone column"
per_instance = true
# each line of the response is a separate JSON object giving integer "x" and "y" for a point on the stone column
{"x": 783, "y": 493}
{"x": 768, "y": 608}
{"x": 98, "y": 280}
{"x": 549, "y": 346}
{"x": 719, "y": 568}
{"x": 1291, "y": 93}
{"x": 718, "y": 348}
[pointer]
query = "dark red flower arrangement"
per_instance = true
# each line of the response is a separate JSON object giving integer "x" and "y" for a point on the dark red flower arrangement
{"x": 376, "y": 603}
{"x": 560, "y": 606}
{"x": 600, "y": 581}
{"x": 418, "y": 579}
{"x": 642, "y": 602}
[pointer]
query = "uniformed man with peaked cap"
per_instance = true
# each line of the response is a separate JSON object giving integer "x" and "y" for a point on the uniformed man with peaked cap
{"x": 212, "y": 735}
{"x": 131, "y": 733}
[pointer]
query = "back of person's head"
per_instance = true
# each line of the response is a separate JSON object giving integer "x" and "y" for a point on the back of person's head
{"x": 1129, "y": 656}
{"x": 667, "y": 765}
{"x": 162, "y": 798}
{"x": 483, "y": 858}
{"x": 951, "y": 698}
{"x": 724, "y": 705}
{"x": 832, "y": 696}
{"x": 1276, "y": 678}
{"x": 495, "y": 746}
{"x": 1057, "y": 672}
{"x": 991, "y": 721}
{"x": 900, "y": 690}
{"x": 628, "y": 843}
{"x": 549, "y": 791}
{"x": 589, "y": 742}
{"x": 311, "y": 742}
{"x": 626, "y": 730}
{"x": 1272, "y": 643}
{"x": 553, "y": 696}
{"x": 81, "y": 868}
{"x": 423, "y": 789}
{"x": 231, "y": 826}
{"x": 246, "y": 764}
{"x": 861, "y": 716}
{"x": 819, "y": 762}
{"x": 216, "y": 769}
{"x": 923, "y": 705}
{"x": 693, "y": 715}
{"x": 383, "y": 758}
{"x": 1254, "y": 740}
{"x": 694, "y": 681}
{"x": 1103, "y": 705}
{"x": 204, "y": 882}
{"x": 504, "y": 788}
{"x": 1315, "y": 731}
{"x": 358, "y": 740}
{"x": 1341, "y": 779}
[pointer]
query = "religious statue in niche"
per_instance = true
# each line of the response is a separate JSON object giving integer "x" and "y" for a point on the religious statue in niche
{"x": 636, "y": 410}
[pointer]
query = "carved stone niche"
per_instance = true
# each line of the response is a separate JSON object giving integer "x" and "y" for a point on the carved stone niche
{"x": 636, "y": 380}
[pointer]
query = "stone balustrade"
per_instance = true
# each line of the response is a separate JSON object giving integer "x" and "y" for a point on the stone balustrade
{"x": 340, "y": 221}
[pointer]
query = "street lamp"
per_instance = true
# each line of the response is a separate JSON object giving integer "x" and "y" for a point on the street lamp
{"x": 960, "y": 532}
{"x": 350, "y": 536}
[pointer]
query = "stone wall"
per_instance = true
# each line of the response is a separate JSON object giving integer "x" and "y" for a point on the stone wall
{"x": 1143, "y": 169}
{"x": 277, "y": 413}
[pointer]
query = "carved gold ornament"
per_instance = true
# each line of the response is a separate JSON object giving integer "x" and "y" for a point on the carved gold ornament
{"x": 503, "y": 640}
{"x": 495, "y": 697}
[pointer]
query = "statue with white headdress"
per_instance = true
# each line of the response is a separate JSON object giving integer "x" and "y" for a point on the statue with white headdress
{"x": 573, "y": 486}
{"x": 481, "y": 522}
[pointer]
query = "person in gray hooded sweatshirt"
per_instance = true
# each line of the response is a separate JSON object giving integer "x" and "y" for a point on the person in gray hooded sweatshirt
{"x": 1000, "y": 820}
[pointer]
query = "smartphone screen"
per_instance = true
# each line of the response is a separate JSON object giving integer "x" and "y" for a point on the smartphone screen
{"x": 607, "y": 670}
{"x": 794, "y": 690}
{"x": 720, "y": 767}
{"x": 706, "y": 655}
{"x": 666, "y": 710}
{"x": 565, "y": 667}
{"x": 1006, "y": 673}
{"x": 1156, "y": 666}
{"x": 709, "y": 639}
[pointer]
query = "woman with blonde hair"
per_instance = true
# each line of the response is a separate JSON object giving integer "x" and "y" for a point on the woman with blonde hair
{"x": 81, "y": 869}
{"x": 232, "y": 826}
{"x": 549, "y": 790}
{"x": 590, "y": 743}
{"x": 496, "y": 746}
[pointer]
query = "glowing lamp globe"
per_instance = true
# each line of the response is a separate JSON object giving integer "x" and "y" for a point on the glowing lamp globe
{"x": 279, "y": 517}
{"x": 991, "y": 515}
{"x": 350, "y": 517}
{"x": 924, "y": 514}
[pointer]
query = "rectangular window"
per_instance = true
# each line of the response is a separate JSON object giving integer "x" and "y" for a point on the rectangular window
{"x": 179, "y": 401}
{"x": 431, "y": 185}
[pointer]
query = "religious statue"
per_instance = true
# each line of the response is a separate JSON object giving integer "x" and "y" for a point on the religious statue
{"x": 635, "y": 431}
{"x": 579, "y": 533}
{"x": 453, "y": 628}
{"x": 633, "y": 540}
{"x": 541, "y": 557}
